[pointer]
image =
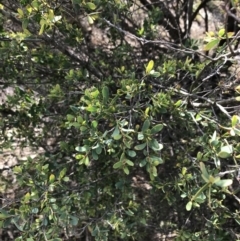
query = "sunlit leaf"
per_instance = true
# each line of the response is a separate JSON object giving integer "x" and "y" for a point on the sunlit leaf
{"x": 90, "y": 19}
{"x": 86, "y": 161}
{"x": 130, "y": 163}
{"x": 51, "y": 178}
{"x": 62, "y": 173}
{"x": 20, "y": 13}
{"x": 82, "y": 149}
{"x": 117, "y": 137}
{"x": 91, "y": 108}
{"x": 153, "y": 144}
{"x": 221, "y": 32}
{"x": 178, "y": 103}
{"x": 230, "y": 34}
{"x": 56, "y": 18}
{"x": 66, "y": 179}
{"x": 226, "y": 151}
{"x": 211, "y": 44}
{"x": 91, "y": 5}
{"x": 155, "y": 74}
{"x": 149, "y": 66}
{"x": 224, "y": 182}
{"x": 189, "y": 206}
{"x": 235, "y": 120}
{"x": 140, "y": 136}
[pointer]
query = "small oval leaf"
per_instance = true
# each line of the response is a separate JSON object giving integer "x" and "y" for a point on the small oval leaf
{"x": 211, "y": 44}
{"x": 149, "y": 66}
{"x": 140, "y": 147}
{"x": 189, "y": 206}
{"x": 224, "y": 182}
{"x": 156, "y": 128}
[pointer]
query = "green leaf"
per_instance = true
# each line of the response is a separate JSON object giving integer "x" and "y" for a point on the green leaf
{"x": 205, "y": 174}
{"x": 223, "y": 154}
{"x": 200, "y": 198}
{"x": 189, "y": 206}
{"x": 140, "y": 147}
{"x": 131, "y": 153}
{"x": 224, "y": 182}
{"x": 91, "y": 6}
{"x": 156, "y": 160}
{"x": 130, "y": 163}
{"x": 154, "y": 171}
{"x": 19, "y": 227}
{"x": 116, "y": 132}
{"x": 117, "y": 137}
{"x": 156, "y": 128}
{"x": 143, "y": 163}
{"x": 199, "y": 156}
{"x": 149, "y": 66}
{"x": 140, "y": 136}
{"x": 20, "y": 13}
{"x": 51, "y": 178}
{"x": 80, "y": 119}
{"x": 117, "y": 165}
{"x": 91, "y": 108}
{"x": 146, "y": 125}
{"x": 74, "y": 220}
{"x": 70, "y": 117}
{"x": 24, "y": 23}
{"x": 105, "y": 93}
{"x": 178, "y": 103}
{"x": 74, "y": 108}
{"x": 212, "y": 44}
{"x": 66, "y": 179}
{"x": 226, "y": 151}
{"x": 90, "y": 19}
{"x": 126, "y": 170}
{"x": 4, "y": 214}
{"x": 154, "y": 74}
{"x": 42, "y": 24}
{"x": 221, "y": 32}
{"x": 82, "y": 149}
{"x": 86, "y": 161}
{"x": 235, "y": 120}
{"x": 99, "y": 150}
{"x": 94, "y": 155}
{"x": 230, "y": 34}
{"x": 17, "y": 169}
{"x": 94, "y": 124}
{"x": 153, "y": 144}
{"x": 122, "y": 157}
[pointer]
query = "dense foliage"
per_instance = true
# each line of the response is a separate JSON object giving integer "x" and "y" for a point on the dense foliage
{"x": 138, "y": 120}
